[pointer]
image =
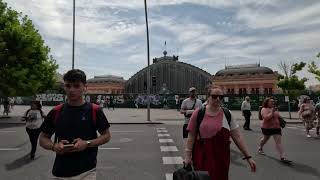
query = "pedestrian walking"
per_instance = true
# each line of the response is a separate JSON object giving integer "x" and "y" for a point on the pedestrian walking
{"x": 75, "y": 125}
{"x": 187, "y": 108}
{"x": 308, "y": 114}
{"x": 34, "y": 118}
{"x": 271, "y": 128}
{"x": 11, "y": 102}
{"x": 208, "y": 144}
{"x": 317, "y": 108}
{"x": 6, "y": 107}
{"x": 246, "y": 112}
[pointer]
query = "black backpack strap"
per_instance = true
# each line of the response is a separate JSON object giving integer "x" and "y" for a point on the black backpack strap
{"x": 227, "y": 114}
{"x": 200, "y": 117}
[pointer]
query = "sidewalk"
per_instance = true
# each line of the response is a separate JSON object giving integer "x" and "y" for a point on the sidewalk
{"x": 138, "y": 116}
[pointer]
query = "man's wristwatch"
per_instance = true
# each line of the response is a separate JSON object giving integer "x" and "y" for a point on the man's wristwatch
{"x": 88, "y": 143}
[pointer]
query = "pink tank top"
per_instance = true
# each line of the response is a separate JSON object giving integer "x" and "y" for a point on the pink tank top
{"x": 273, "y": 122}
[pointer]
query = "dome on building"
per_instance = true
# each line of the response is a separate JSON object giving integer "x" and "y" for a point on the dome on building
{"x": 177, "y": 76}
{"x": 244, "y": 69}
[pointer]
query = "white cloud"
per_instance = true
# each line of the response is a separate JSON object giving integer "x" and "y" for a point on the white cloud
{"x": 270, "y": 30}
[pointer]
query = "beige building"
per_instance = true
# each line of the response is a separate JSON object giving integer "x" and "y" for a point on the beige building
{"x": 247, "y": 79}
{"x": 108, "y": 84}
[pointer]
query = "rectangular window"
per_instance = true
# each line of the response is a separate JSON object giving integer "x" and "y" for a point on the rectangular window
{"x": 252, "y": 91}
{"x": 240, "y": 91}
{"x": 257, "y": 91}
{"x": 270, "y": 91}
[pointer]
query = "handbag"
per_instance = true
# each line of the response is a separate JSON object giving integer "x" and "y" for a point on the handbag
{"x": 188, "y": 173}
{"x": 282, "y": 122}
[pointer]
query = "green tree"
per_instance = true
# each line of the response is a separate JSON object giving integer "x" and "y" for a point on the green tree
{"x": 26, "y": 67}
{"x": 290, "y": 82}
{"x": 314, "y": 69}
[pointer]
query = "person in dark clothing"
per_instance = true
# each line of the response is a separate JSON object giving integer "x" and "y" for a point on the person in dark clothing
{"x": 75, "y": 125}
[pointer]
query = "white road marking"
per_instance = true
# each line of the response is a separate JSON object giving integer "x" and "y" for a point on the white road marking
{"x": 172, "y": 160}
{"x": 166, "y": 140}
{"x": 163, "y": 135}
{"x": 127, "y": 131}
{"x": 162, "y": 131}
{"x": 9, "y": 149}
{"x": 101, "y": 148}
{"x": 169, "y": 176}
{"x": 160, "y": 128}
{"x": 4, "y": 131}
{"x": 168, "y": 148}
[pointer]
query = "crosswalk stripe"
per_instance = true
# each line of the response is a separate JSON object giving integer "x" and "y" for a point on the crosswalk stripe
{"x": 162, "y": 131}
{"x": 166, "y": 140}
{"x": 163, "y": 135}
{"x": 161, "y": 128}
{"x": 172, "y": 160}
{"x": 169, "y": 176}
{"x": 168, "y": 148}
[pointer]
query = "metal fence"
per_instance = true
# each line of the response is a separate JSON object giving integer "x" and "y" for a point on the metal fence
{"x": 233, "y": 102}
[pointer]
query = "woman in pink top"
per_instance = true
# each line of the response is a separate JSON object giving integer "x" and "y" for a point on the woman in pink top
{"x": 212, "y": 152}
{"x": 271, "y": 127}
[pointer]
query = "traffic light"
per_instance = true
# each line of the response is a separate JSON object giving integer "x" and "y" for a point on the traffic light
{"x": 154, "y": 81}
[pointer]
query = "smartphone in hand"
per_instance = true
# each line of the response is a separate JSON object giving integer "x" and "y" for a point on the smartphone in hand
{"x": 68, "y": 145}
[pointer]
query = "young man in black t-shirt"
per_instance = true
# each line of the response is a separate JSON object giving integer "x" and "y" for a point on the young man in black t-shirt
{"x": 75, "y": 128}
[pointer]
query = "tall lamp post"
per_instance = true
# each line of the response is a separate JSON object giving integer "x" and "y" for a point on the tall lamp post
{"x": 73, "y": 32}
{"x": 148, "y": 72}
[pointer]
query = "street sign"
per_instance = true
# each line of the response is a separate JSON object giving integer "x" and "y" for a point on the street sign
{"x": 226, "y": 99}
{"x": 286, "y": 98}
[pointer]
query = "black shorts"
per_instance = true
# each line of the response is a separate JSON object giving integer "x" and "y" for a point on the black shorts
{"x": 185, "y": 131}
{"x": 271, "y": 131}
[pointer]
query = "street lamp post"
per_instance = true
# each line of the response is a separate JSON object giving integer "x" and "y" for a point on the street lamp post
{"x": 73, "y": 32}
{"x": 148, "y": 72}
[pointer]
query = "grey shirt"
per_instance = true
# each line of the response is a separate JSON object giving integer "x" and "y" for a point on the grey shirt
{"x": 245, "y": 106}
{"x": 187, "y": 105}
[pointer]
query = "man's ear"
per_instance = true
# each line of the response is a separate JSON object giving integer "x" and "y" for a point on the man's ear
{"x": 85, "y": 87}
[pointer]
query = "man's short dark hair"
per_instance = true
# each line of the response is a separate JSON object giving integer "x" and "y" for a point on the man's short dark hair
{"x": 75, "y": 75}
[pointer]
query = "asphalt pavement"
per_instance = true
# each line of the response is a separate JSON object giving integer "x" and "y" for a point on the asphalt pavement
{"x": 155, "y": 151}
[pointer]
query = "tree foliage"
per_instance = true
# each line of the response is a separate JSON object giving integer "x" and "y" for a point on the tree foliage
{"x": 25, "y": 65}
{"x": 314, "y": 69}
{"x": 290, "y": 82}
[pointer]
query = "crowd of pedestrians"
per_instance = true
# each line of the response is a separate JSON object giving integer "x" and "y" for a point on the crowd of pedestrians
{"x": 207, "y": 130}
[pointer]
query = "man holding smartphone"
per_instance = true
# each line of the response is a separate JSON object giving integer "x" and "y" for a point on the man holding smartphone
{"x": 75, "y": 126}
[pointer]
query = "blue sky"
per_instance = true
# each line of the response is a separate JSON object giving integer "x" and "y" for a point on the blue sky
{"x": 111, "y": 38}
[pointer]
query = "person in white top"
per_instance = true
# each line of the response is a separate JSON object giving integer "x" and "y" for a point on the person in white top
{"x": 246, "y": 112}
{"x": 187, "y": 108}
{"x": 34, "y": 118}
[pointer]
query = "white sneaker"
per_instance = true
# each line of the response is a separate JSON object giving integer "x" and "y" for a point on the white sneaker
{"x": 308, "y": 136}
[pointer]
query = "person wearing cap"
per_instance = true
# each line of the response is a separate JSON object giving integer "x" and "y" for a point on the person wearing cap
{"x": 187, "y": 108}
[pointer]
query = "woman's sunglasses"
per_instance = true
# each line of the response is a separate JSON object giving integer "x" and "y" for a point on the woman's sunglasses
{"x": 214, "y": 96}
